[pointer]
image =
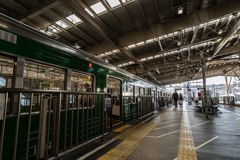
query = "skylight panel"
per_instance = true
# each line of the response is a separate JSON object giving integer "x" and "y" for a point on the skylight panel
{"x": 89, "y": 12}
{"x": 73, "y": 18}
{"x": 62, "y": 24}
{"x": 98, "y": 8}
{"x": 113, "y": 3}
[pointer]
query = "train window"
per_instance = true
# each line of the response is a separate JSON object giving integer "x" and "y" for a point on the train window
{"x": 6, "y": 71}
{"x": 130, "y": 91}
{"x": 142, "y": 91}
{"x": 137, "y": 92}
{"x": 81, "y": 82}
{"x": 149, "y": 91}
{"x": 39, "y": 76}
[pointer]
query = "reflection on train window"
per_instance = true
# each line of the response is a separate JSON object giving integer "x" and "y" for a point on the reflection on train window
{"x": 38, "y": 76}
{"x": 81, "y": 82}
{"x": 6, "y": 71}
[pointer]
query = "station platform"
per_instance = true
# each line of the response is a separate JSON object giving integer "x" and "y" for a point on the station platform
{"x": 170, "y": 134}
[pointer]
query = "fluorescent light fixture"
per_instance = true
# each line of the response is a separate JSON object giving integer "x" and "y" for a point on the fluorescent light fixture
{"x": 73, "y": 18}
{"x": 62, "y": 24}
{"x": 113, "y": 3}
{"x": 213, "y": 21}
{"x": 98, "y": 8}
{"x": 131, "y": 46}
{"x": 143, "y": 59}
{"x": 220, "y": 31}
{"x": 157, "y": 56}
{"x": 77, "y": 45}
{"x": 180, "y": 10}
{"x": 89, "y": 12}
{"x": 178, "y": 43}
{"x": 149, "y": 41}
{"x": 150, "y": 57}
{"x": 115, "y": 51}
{"x": 140, "y": 43}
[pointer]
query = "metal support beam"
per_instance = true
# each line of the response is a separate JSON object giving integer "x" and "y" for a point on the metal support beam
{"x": 32, "y": 11}
{"x": 225, "y": 39}
{"x": 157, "y": 11}
{"x": 78, "y": 10}
{"x": 124, "y": 7}
{"x": 51, "y": 22}
{"x": 195, "y": 33}
{"x": 109, "y": 11}
{"x": 140, "y": 6}
{"x": 204, "y": 85}
{"x": 72, "y": 24}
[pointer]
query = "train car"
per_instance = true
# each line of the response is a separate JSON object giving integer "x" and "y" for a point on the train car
{"x": 53, "y": 95}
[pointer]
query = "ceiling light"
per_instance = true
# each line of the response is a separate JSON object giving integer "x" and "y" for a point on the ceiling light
{"x": 178, "y": 57}
{"x": 149, "y": 41}
{"x": 207, "y": 50}
{"x": 140, "y": 43}
{"x": 178, "y": 43}
{"x": 77, "y": 46}
{"x": 220, "y": 31}
{"x": 131, "y": 46}
{"x": 180, "y": 10}
{"x": 106, "y": 60}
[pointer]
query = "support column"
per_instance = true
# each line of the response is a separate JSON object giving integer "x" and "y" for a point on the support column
{"x": 17, "y": 83}
{"x": 67, "y": 87}
{"x": 204, "y": 85}
{"x": 227, "y": 87}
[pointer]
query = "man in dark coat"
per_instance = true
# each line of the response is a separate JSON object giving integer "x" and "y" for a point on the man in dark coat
{"x": 175, "y": 98}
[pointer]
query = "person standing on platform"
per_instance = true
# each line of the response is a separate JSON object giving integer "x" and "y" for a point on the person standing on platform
{"x": 180, "y": 99}
{"x": 175, "y": 98}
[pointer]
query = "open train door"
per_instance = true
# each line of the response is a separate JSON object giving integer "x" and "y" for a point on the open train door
{"x": 114, "y": 87}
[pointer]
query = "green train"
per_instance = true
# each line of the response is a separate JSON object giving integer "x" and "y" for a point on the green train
{"x": 37, "y": 73}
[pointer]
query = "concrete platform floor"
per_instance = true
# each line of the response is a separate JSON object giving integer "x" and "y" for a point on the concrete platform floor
{"x": 216, "y": 138}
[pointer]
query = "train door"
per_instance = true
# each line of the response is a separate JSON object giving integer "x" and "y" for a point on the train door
{"x": 114, "y": 87}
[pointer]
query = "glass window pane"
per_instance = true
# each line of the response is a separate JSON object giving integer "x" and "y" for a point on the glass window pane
{"x": 39, "y": 76}
{"x": 6, "y": 71}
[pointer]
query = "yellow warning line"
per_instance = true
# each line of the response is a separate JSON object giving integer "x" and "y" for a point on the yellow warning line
{"x": 122, "y": 128}
{"x": 132, "y": 138}
{"x": 186, "y": 149}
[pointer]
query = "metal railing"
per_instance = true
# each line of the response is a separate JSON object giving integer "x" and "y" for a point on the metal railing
{"x": 229, "y": 100}
{"x": 145, "y": 106}
{"x": 61, "y": 121}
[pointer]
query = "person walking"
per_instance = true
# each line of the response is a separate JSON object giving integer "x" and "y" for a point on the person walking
{"x": 180, "y": 99}
{"x": 175, "y": 98}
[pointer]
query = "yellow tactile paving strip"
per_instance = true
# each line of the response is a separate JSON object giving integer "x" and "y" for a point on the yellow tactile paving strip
{"x": 122, "y": 128}
{"x": 186, "y": 149}
{"x": 132, "y": 138}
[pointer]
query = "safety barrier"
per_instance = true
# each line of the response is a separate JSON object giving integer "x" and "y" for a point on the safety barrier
{"x": 37, "y": 124}
{"x": 229, "y": 100}
{"x": 145, "y": 106}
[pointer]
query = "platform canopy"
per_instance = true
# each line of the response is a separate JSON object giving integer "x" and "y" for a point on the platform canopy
{"x": 159, "y": 40}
